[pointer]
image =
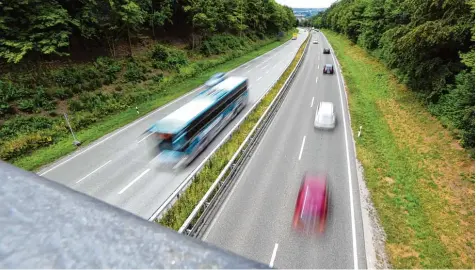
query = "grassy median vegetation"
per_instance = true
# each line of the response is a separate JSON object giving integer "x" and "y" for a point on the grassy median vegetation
{"x": 420, "y": 178}
{"x": 152, "y": 79}
{"x": 183, "y": 207}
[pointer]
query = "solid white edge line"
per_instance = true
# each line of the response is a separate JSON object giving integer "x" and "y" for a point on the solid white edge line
{"x": 312, "y": 102}
{"x": 349, "y": 173}
{"x": 133, "y": 181}
{"x": 93, "y": 171}
{"x": 193, "y": 91}
{"x": 273, "y": 256}
{"x": 302, "y": 146}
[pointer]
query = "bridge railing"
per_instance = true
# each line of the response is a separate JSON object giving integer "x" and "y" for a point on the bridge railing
{"x": 47, "y": 225}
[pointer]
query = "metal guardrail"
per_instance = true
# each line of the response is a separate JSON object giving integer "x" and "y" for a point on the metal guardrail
{"x": 195, "y": 223}
{"x": 169, "y": 202}
{"x": 47, "y": 225}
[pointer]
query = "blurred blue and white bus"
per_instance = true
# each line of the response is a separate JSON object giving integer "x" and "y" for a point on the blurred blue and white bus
{"x": 186, "y": 132}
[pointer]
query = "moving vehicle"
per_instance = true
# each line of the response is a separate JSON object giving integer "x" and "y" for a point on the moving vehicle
{"x": 325, "y": 116}
{"x": 294, "y": 36}
{"x": 215, "y": 79}
{"x": 186, "y": 132}
{"x": 328, "y": 69}
{"x": 327, "y": 51}
{"x": 310, "y": 212}
{"x": 315, "y": 41}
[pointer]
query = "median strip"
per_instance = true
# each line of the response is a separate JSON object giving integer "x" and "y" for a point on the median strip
{"x": 183, "y": 207}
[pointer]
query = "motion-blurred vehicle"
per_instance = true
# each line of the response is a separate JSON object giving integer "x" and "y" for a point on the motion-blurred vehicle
{"x": 327, "y": 51}
{"x": 294, "y": 36}
{"x": 325, "y": 116}
{"x": 215, "y": 79}
{"x": 314, "y": 41}
{"x": 328, "y": 69}
{"x": 186, "y": 132}
{"x": 310, "y": 213}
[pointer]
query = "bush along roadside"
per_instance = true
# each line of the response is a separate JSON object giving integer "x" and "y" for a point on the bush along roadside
{"x": 420, "y": 180}
{"x": 183, "y": 207}
{"x": 31, "y": 141}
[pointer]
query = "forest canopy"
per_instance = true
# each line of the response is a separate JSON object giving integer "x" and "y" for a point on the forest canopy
{"x": 429, "y": 44}
{"x": 47, "y": 27}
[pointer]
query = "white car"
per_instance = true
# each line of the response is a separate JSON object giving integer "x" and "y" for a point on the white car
{"x": 325, "y": 116}
{"x": 314, "y": 41}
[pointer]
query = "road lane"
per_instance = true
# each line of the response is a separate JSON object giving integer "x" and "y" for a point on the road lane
{"x": 128, "y": 155}
{"x": 258, "y": 211}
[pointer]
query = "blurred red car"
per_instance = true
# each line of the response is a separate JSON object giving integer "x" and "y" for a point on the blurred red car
{"x": 312, "y": 202}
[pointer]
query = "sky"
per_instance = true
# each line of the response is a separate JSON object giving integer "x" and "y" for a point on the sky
{"x": 306, "y": 3}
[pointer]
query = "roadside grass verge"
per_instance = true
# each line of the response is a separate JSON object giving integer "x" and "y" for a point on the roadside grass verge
{"x": 183, "y": 207}
{"x": 110, "y": 123}
{"x": 421, "y": 181}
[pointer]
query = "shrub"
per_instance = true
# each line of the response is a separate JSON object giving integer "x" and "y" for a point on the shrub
{"x": 24, "y": 144}
{"x": 21, "y": 125}
{"x": 118, "y": 88}
{"x": 158, "y": 78}
{"x": 168, "y": 58}
{"x": 49, "y": 105}
{"x": 90, "y": 73}
{"x": 67, "y": 77}
{"x": 188, "y": 71}
{"x": 160, "y": 53}
{"x": 26, "y": 105}
{"x": 109, "y": 68}
{"x": 77, "y": 88}
{"x": 219, "y": 44}
{"x": 176, "y": 59}
{"x": 62, "y": 93}
{"x": 12, "y": 92}
{"x": 134, "y": 72}
{"x": 82, "y": 120}
{"x": 91, "y": 101}
{"x": 5, "y": 108}
{"x": 43, "y": 99}
{"x": 111, "y": 105}
{"x": 75, "y": 105}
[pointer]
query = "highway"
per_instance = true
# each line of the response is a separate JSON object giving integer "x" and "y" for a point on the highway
{"x": 255, "y": 219}
{"x": 119, "y": 169}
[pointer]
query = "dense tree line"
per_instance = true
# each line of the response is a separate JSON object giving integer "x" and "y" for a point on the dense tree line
{"x": 46, "y": 27}
{"x": 429, "y": 43}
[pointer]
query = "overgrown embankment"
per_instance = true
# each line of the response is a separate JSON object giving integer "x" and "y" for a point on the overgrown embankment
{"x": 183, "y": 207}
{"x": 420, "y": 178}
{"x": 102, "y": 96}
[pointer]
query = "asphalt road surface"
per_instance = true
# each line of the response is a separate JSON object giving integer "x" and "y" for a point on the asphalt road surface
{"x": 119, "y": 168}
{"x": 255, "y": 219}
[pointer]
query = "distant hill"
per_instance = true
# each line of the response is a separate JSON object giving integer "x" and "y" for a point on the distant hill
{"x": 307, "y": 12}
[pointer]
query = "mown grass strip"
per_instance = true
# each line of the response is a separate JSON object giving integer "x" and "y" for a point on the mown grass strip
{"x": 47, "y": 155}
{"x": 420, "y": 179}
{"x": 183, "y": 207}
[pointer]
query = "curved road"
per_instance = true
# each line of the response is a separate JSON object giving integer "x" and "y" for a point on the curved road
{"x": 119, "y": 169}
{"x": 255, "y": 219}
